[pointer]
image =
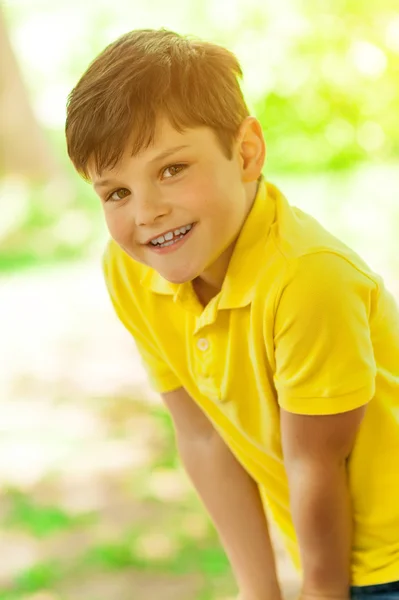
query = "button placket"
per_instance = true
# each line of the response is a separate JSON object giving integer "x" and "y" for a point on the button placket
{"x": 202, "y": 344}
{"x": 205, "y": 368}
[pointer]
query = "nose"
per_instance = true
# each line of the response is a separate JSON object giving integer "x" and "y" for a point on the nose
{"x": 149, "y": 206}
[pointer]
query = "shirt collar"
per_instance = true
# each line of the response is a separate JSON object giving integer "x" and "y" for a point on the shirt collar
{"x": 247, "y": 258}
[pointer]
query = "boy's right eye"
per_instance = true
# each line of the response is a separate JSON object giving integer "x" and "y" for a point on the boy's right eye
{"x": 116, "y": 195}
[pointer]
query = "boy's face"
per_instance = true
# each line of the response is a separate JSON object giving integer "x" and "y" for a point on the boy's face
{"x": 184, "y": 188}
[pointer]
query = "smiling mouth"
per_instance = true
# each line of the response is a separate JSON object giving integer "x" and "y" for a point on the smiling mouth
{"x": 171, "y": 237}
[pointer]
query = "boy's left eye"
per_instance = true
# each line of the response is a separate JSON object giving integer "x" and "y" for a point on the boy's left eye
{"x": 173, "y": 170}
{"x": 120, "y": 194}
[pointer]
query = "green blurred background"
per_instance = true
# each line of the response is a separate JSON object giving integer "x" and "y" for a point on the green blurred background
{"x": 93, "y": 502}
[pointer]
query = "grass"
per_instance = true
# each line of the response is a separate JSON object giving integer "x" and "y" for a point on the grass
{"x": 40, "y": 521}
{"x": 120, "y": 553}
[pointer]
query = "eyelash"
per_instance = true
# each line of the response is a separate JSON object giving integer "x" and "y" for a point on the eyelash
{"x": 182, "y": 165}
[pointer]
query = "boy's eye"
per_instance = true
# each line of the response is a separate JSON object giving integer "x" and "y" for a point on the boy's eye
{"x": 118, "y": 194}
{"x": 172, "y": 170}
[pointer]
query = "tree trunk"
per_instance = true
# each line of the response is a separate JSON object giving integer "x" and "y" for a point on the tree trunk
{"x": 24, "y": 150}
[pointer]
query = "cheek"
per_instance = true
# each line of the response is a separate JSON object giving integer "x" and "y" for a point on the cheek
{"x": 117, "y": 225}
{"x": 193, "y": 193}
{"x": 205, "y": 196}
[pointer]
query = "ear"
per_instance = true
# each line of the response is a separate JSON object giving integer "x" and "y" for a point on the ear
{"x": 251, "y": 149}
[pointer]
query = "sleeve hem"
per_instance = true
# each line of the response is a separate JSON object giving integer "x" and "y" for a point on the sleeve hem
{"x": 327, "y": 406}
{"x": 162, "y": 385}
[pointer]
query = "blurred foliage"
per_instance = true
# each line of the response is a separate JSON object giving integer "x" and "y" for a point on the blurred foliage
{"x": 42, "y": 222}
{"x": 321, "y": 75}
{"x": 172, "y": 538}
{"x": 41, "y": 521}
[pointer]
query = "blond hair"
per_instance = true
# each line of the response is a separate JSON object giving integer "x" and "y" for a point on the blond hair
{"x": 141, "y": 75}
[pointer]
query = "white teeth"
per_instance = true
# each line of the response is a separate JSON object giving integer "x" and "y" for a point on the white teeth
{"x": 168, "y": 237}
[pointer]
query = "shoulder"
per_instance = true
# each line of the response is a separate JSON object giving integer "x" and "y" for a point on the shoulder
{"x": 328, "y": 279}
{"x": 117, "y": 263}
{"x": 302, "y": 243}
{"x": 301, "y": 253}
{"x": 122, "y": 274}
{"x": 114, "y": 258}
{"x": 325, "y": 289}
{"x": 328, "y": 267}
{"x": 318, "y": 279}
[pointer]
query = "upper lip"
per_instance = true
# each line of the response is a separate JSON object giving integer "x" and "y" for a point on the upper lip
{"x": 172, "y": 229}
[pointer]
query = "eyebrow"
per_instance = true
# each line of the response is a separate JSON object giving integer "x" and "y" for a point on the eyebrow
{"x": 105, "y": 182}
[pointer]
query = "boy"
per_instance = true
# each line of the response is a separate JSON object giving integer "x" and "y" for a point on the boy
{"x": 273, "y": 345}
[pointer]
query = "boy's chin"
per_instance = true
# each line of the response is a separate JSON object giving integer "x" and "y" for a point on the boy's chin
{"x": 178, "y": 279}
{"x": 179, "y": 276}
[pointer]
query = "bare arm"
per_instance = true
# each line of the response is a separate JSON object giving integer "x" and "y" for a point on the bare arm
{"x": 230, "y": 496}
{"x": 315, "y": 452}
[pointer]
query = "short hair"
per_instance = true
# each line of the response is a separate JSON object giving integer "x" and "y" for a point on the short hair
{"x": 141, "y": 75}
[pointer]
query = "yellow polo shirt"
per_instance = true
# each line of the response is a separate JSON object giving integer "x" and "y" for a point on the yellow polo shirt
{"x": 301, "y": 322}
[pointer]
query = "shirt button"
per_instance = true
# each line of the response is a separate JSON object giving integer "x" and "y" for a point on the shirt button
{"x": 203, "y": 344}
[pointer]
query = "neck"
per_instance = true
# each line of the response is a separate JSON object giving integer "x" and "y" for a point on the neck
{"x": 210, "y": 282}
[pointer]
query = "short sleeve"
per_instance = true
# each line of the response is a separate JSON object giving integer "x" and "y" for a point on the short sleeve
{"x": 161, "y": 377}
{"x": 324, "y": 358}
